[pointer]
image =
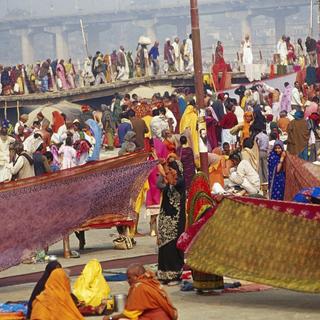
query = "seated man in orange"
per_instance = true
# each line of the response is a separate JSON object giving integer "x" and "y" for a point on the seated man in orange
{"x": 146, "y": 298}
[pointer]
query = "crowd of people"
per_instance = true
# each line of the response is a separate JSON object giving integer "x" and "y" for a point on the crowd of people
{"x": 247, "y": 139}
{"x": 248, "y": 136}
{"x": 59, "y": 74}
{"x": 307, "y": 53}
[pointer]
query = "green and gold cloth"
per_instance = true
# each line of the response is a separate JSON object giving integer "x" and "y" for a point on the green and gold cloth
{"x": 262, "y": 245}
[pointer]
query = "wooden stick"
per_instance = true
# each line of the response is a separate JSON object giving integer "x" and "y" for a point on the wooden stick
{"x": 5, "y": 109}
{"x": 18, "y": 110}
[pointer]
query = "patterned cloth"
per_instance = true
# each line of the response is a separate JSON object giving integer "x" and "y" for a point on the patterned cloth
{"x": 39, "y": 211}
{"x": 300, "y": 174}
{"x": 277, "y": 249}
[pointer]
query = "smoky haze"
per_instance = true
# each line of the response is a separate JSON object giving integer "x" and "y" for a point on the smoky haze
{"x": 26, "y": 43}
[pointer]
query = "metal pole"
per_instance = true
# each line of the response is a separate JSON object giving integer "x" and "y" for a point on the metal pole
{"x": 85, "y": 42}
{"x": 318, "y": 19}
{"x": 311, "y": 18}
{"x": 198, "y": 79}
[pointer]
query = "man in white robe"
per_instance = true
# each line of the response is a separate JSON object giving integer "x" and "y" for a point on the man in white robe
{"x": 188, "y": 53}
{"x": 176, "y": 50}
{"x": 282, "y": 50}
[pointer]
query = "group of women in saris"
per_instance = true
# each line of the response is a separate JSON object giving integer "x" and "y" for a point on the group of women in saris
{"x": 52, "y": 297}
{"x": 65, "y": 75}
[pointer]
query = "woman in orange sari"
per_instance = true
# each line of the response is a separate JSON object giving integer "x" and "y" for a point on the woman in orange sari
{"x": 55, "y": 302}
{"x": 247, "y": 120}
{"x": 216, "y": 165}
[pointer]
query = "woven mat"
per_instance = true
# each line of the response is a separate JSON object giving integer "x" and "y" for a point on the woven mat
{"x": 257, "y": 244}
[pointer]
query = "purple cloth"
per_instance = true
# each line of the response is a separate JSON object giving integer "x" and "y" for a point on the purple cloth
{"x": 189, "y": 168}
{"x": 286, "y": 99}
{"x": 38, "y": 212}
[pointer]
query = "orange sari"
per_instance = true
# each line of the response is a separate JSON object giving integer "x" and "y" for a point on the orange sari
{"x": 55, "y": 302}
{"x": 216, "y": 169}
{"x": 247, "y": 119}
{"x": 147, "y": 299}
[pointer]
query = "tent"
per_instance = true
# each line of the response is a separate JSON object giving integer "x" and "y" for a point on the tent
{"x": 71, "y": 110}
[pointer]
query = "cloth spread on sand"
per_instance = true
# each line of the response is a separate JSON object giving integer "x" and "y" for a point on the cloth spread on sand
{"x": 276, "y": 248}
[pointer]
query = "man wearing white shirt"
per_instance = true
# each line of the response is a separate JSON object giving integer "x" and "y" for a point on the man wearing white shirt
{"x": 296, "y": 103}
{"x": 282, "y": 50}
{"x": 21, "y": 123}
{"x": 159, "y": 122}
{"x": 244, "y": 175}
{"x": 176, "y": 50}
{"x": 247, "y": 51}
{"x": 188, "y": 53}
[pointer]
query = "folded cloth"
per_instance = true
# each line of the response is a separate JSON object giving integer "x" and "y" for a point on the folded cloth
{"x": 116, "y": 277}
{"x": 14, "y": 307}
{"x": 12, "y": 316}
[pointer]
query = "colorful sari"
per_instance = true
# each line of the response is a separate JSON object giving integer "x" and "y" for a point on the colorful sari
{"x": 91, "y": 286}
{"x": 96, "y": 131}
{"x": 277, "y": 180}
{"x": 55, "y": 301}
{"x": 171, "y": 225}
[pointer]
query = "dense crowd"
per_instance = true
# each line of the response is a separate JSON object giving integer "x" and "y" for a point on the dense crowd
{"x": 53, "y": 75}
{"x": 248, "y": 135}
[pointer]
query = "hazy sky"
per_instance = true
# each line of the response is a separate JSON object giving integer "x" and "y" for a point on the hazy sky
{"x": 54, "y": 7}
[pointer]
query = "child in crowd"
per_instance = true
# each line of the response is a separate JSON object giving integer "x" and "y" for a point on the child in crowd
{"x": 69, "y": 154}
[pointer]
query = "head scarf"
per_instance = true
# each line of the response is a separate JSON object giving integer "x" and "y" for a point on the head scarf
{"x": 299, "y": 115}
{"x": 96, "y": 131}
{"x": 214, "y": 115}
{"x": 85, "y": 108}
{"x": 177, "y": 166}
{"x": 51, "y": 266}
{"x": 246, "y": 125}
{"x": 5, "y": 123}
{"x": 55, "y": 301}
{"x": 58, "y": 121}
{"x": 91, "y": 286}
{"x": 259, "y": 123}
{"x": 276, "y": 180}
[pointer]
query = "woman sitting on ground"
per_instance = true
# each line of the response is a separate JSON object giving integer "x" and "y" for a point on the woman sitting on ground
{"x": 92, "y": 290}
{"x": 41, "y": 284}
{"x": 55, "y": 301}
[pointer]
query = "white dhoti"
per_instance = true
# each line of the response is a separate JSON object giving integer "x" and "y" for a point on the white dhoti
{"x": 244, "y": 183}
